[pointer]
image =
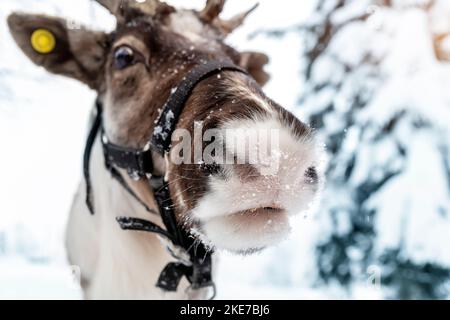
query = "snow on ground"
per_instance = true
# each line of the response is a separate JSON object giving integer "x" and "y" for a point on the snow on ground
{"x": 22, "y": 279}
{"x": 43, "y": 125}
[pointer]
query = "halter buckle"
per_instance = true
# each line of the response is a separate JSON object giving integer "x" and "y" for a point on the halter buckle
{"x": 191, "y": 290}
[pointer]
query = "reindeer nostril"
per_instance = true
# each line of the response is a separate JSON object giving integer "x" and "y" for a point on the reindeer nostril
{"x": 271, "y": 209}
{"x": 312, "y": 175}
{"x": 212, "y": 169}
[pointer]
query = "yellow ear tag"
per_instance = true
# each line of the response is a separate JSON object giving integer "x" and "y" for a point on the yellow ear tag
{"x": 43, "y": 41}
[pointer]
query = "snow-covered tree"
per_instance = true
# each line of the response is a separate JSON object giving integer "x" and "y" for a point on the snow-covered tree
{"x": 377, "y": 78}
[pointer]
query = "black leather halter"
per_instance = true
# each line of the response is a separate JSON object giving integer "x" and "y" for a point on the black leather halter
{"x": 194, "y": 259}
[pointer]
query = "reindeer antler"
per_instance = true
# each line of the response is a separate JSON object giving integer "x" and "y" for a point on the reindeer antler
{"x": 210, "y": 14}
{"x": 212, "y": 10}
{"x": 112, "y": 6}
{"x": 228, "y": 26}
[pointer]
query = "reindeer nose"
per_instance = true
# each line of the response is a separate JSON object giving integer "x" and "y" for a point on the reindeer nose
{"x": 270, "y": 157}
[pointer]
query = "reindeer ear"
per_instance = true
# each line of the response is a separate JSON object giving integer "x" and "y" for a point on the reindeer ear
{"x": 77, "y": 53}
{"x": 254, "y": 63}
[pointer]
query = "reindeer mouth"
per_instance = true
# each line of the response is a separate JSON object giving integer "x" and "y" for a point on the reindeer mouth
{"x": 248, "y": 231}
{"x": 260, "y": 211}
{"x": 259, "y": 219}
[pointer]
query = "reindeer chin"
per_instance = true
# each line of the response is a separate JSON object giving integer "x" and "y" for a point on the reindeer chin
{"x": 247, "y": 232}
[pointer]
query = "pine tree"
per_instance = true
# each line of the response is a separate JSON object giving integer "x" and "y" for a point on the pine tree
{"x": 377, "y": 77}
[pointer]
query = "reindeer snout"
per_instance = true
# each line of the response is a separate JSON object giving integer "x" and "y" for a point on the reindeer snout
{"x": 273, "y": 174}
{"x": 284, "y": 183}
{"x": 274, "y": 166}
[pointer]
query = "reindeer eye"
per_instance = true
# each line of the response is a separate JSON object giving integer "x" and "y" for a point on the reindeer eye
{"x": 123, "y": 57}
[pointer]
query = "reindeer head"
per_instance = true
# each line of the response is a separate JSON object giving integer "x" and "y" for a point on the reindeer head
{"x": 238, "y": 205}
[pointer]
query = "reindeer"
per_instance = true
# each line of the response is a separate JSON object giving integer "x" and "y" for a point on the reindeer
{"x": 219, "y": 206}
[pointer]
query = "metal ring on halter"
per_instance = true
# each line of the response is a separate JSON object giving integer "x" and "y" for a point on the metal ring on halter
{"x": 189, "y": 290}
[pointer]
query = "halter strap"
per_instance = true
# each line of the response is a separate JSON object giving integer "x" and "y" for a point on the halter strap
{"x": 96, "y": 124}
{"x": 172, "y": 109}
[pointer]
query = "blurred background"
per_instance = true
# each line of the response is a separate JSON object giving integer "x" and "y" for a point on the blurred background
{"x": 373, "y": 78}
